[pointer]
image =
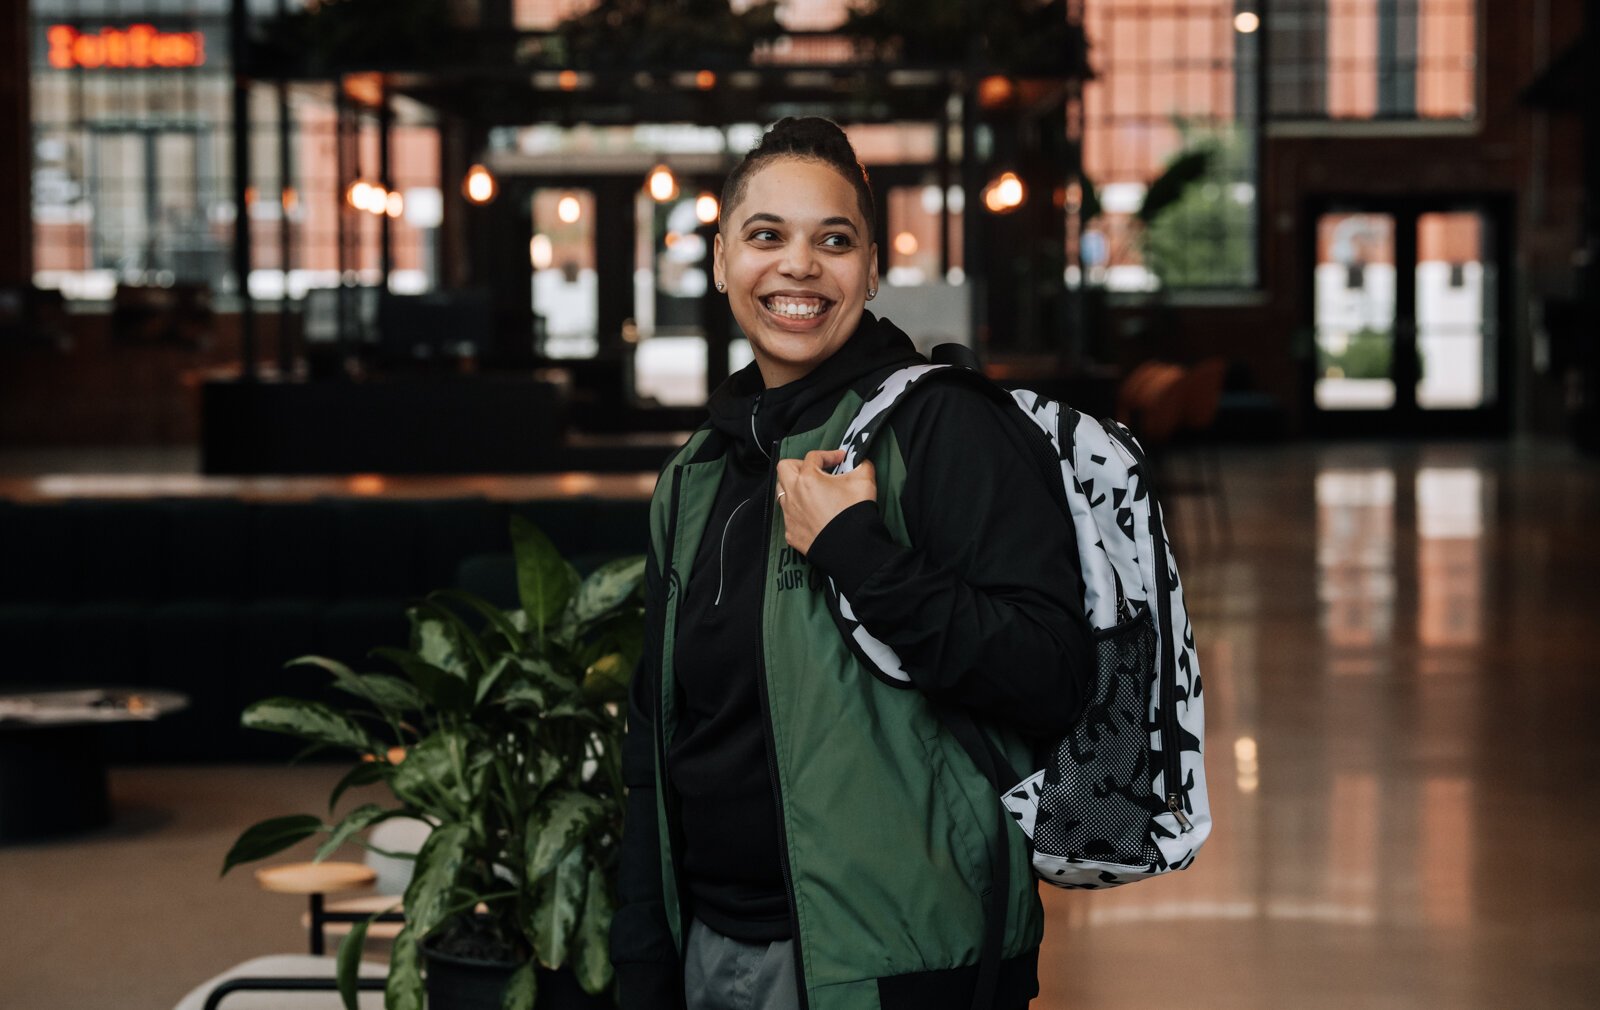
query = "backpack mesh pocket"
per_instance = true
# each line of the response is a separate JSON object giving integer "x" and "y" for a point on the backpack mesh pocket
{"x": 1095, "y": 801}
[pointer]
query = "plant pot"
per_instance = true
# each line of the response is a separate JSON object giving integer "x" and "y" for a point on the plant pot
{"x": 469, "y": 983}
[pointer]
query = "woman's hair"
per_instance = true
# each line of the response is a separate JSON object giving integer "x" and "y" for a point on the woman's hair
{"x": 809, "y": 138}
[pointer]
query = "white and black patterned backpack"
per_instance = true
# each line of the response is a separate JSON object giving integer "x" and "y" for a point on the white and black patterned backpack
{"x": 1123, "y": 797}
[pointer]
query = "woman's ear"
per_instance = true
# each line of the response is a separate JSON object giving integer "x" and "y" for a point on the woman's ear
{"x": 718, "y": 272}
{"x": 872, "y": 267}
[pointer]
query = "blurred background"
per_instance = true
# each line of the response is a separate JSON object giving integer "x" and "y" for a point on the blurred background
{"x": 300, "y": 302}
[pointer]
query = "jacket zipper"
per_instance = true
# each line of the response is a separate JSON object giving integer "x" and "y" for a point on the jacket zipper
{"x": 1170, "y": 758}
{"x": 766, "y": 713}
{"x": 722, "y": 552}
{"x": 755, "y": 435}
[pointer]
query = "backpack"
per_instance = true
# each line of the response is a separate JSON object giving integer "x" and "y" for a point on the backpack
{"x": 1122, "y": 797}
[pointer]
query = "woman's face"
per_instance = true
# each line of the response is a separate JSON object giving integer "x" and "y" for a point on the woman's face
{"x": 798, "y": 262}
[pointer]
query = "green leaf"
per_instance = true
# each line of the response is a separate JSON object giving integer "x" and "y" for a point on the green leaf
{"x": 435, "y": 878}
{"x": 556, "y": 826}
{"x": 309, "y": 720}
{"x": 347, "y": 964}
{"x": 494, "y": 615}
{"x": 545, "y": 582}
{"x": 525, "y": 696}
{"x": 363, "y": 773}
{"x": 1184, "y": 170}
{"x": 608, "y": 586}
{"x": 359, "y": 819}
{"x": 544, "y": 673}
{"x": 558, "y": 898}
{"x": 544, "y": 769}
{"x": 269, "y": 838}
{"x": 592, "y": 951}
{"x": 607, "y": 679}
{"x": 429, "y": 771}
{"x": 404, "y": 991}
{"x": 487, "y": 682}
{"x": 390, "y": 695}
{"x": 453, "y": 635}
{"x": 522, "y": 988}
{"x": 445, "y": 690}
{"x": 576, "y": 711}
{"x": 339, "y": 670}
{"x": 435, "y": 645}
{"x": 622, "y": 631}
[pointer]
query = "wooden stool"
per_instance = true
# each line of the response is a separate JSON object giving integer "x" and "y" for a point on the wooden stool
{"x": 316, "y": 880}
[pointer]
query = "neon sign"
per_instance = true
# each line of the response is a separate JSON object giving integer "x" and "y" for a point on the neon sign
{"x": 136, "y": 47}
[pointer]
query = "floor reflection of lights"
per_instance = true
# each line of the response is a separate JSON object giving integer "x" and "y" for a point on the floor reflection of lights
{"x": 1397, "y": 652}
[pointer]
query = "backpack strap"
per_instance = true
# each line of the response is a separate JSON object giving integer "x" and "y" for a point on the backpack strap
{"x": 952, "y": 362}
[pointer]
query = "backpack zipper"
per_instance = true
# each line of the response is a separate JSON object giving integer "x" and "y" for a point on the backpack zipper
{"x": 1171, "y": 765}
{"x": 766, "y": 713}
{"x": 1169, "y": 673}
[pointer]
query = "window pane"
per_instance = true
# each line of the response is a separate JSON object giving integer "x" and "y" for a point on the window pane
{"x": 1373, "y": 59}
{"x": 1175, "y": 88}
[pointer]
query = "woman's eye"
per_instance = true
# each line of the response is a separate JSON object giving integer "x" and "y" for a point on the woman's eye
{"x": 837, "y": 241}
{"x": 764, "y": 235}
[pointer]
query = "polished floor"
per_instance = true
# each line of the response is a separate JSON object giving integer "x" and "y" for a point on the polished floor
{"x": 1399, "y": 650}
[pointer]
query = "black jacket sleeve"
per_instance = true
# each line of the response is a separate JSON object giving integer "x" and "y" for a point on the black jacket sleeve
{"x": 649, "y": 973}
{"x": 985, "y": 607}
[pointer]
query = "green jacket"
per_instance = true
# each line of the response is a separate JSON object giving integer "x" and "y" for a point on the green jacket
{"x": 886, "y": 821}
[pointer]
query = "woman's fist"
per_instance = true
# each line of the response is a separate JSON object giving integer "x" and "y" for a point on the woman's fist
{"x": 810, "y": 496}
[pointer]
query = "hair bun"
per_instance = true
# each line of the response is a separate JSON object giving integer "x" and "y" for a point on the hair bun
{"x": 813, "y": 139}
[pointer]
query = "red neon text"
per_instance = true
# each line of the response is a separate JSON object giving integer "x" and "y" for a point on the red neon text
{"x": 137, "y": 46}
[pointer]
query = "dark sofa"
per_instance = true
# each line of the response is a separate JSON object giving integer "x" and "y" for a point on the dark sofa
{"x": 212, "y": 596}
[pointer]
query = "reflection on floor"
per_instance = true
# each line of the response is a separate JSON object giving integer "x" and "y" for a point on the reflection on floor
{"x": 1398, "y": 649}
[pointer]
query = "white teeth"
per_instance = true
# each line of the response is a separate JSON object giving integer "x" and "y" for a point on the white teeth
{"x": 796, "y": 308}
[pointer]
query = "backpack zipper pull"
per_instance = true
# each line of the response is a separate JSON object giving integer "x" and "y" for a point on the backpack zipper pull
{"x": 1176, "y": 808}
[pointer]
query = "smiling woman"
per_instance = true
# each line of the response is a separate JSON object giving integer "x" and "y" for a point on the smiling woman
{"x": 795, "y": 253}
{"x": 793, "y": 836}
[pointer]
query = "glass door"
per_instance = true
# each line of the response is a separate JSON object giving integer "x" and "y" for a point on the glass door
{"x": 1354, "y": 312}
{"x": 1457, "y": 289}
{"x": 1406, "y": 301}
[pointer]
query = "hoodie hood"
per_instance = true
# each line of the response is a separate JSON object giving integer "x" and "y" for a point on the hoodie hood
{"x": 876, "y": 346}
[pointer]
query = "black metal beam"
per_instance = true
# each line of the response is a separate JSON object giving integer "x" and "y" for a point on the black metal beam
{"x": 239, "y": 31}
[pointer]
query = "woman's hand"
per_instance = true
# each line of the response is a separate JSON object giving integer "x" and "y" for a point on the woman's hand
{"x": 810, "y": 496}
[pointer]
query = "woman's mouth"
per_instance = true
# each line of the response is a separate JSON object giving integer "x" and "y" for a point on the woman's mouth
{"x": 796, "y": 307}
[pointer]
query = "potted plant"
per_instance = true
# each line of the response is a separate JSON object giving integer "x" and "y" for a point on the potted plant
{"x": 504, "y": 731}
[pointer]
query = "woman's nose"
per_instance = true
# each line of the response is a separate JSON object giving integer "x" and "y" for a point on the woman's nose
{"x": 799, "y": 260}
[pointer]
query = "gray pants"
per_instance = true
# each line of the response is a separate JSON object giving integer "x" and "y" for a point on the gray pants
{"x": 725, "y": 974}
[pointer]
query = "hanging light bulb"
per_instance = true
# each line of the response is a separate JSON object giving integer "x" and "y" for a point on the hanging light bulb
{"x": 568, "y": 209}
{"x": 662, "y": 184}
{"x": 395, "y": 204}
{"x": 1005, "y": 194}
{"x": 541, "y": 252}
{"x": 479, "y": 186}
{"x": 706, "y": 208}
{"x": 356, "y": 194}
{"x": 377, "y": 199}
